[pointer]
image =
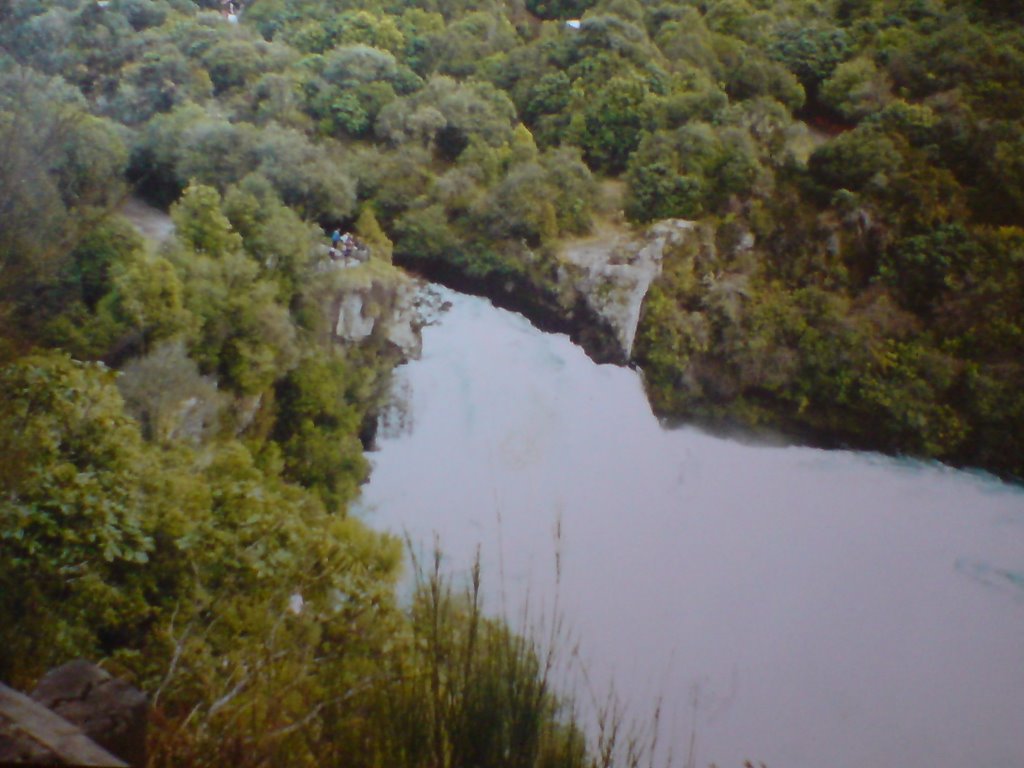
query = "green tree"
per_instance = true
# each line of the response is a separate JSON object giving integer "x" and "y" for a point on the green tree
{"x": 424, "y": 233}
{"x": 559, "y": 9}
{"x": 520, "y": 206}
{"x": 148, "y": 298}
{"x": 60, "y": 174}
{"x": 468, "y": 110}
{"x": 272, "y": 234}
{"x": 855, "y": 159}
{"x": 611, "y": 122}
{"x": 690, "y": 170}
{"x": 168, "y": 397}
{"x": 469, "y": 40}
{"x": 304, "y": 174}
{"x": 575, "y": 189}
{"x": 811, "y": 51}
{"x": 317, "y": 427}
{"x": 245, "y": 336}
{"x": 75, "y": 530}
{"x": 857, "y": 89}
{"x": 156, "y": 82}
{"x": 370, "y": 232}
{"x": 377, "y": 30}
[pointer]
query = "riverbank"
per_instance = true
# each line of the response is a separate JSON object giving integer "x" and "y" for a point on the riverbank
{"x": 725, "y": 344}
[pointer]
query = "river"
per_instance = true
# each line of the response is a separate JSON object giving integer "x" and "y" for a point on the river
{"x": 792, "y": 606}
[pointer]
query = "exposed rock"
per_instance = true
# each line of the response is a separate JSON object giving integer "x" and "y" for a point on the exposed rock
{"x": 403, "y": 327}
{"x": 746, "y": 241}
{"x": 246, "y": 409}
{"x": 32, "y": 734}
{"x": 108, "y": 710}
{"x": 352, "y": 324}
{"x": 614, "y": 274}
{"x": 380, "y": 303}
{"x": 152, "y": 223}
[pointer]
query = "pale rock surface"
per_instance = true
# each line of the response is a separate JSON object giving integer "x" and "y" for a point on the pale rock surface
{"x": 387, "y": 307}
{"x": 614, "y": 273}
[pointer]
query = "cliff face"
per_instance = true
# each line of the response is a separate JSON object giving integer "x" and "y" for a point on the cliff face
{"x": 373, "y": 302}
{"x": 592, "y": 288}
{"x": 389, "y": 310}
{"x": 611, "y": 276}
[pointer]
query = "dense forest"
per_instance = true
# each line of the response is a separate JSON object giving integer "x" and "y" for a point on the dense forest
{"x": 182, "y": 434}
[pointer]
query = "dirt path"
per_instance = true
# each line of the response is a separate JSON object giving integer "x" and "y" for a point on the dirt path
{"x": 152, "y": 223}
{"x": 609, "y": 229}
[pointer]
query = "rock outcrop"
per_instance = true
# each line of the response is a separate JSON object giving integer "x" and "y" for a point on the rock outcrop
{"x": 30, "y": 734}
{"x": 612, "y": 275}
{"x": 77, "y": 715}
{"x": 110, "y": 711}
{"x": 375, "y": 302}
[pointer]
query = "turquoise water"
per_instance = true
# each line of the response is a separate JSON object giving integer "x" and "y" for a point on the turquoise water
{"x": 793, "y": 606}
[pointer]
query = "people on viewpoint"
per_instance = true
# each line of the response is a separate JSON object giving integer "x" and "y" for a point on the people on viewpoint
{"x": 345, "y": 246}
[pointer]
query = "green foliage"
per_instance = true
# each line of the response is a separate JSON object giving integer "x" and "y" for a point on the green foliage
{"x": 245, "y": 336}
{"x": 88, "y": 277}
{"x": 371, "y": 29}
{"x": 856, "y": 159}
{"x": 180, "y": 566}
{"x": 60, "y": 170}
{"x": 520, "y": 206}
{"x": 168, "y": 397}
{"x": 304, "y": 174}
{"x": 559, "y": 9}
{"x": 471, "y": 692}
{"x": 810, "y": 51}
{"x": 470, "y": 40}
{"x": 689, "y": 171}
{"x": 232, "y": 63}
{"x": 200, "y": 225}
{"x": 75, "y": 529}
{"x": 550, "y": 95}
{"x": 369, "y": 231}
{"x": 114, "y": 299}
{"x": 148, "y": 298}
{"x": 317, "y": 427}
{"x": 604, "y": 43}
{"x": 424, "y": 233}
{"x": 906, "y": 386}
{"x": 732, "y": 17}
{"x": 349, "y": 66}
{"x": 574, "y": 189}
{"x": 393, "y": 179}
{"x": 272, "y": 233}
{"x": 446, "y": 114}
{"x": 757, "y": 76}
{"x": 918, "y": 267}
{"x": 189, "y": 144}
{"x": 857, "y": 89}
{"x": 610, "y": 124}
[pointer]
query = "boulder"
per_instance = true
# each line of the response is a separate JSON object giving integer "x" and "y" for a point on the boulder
{"x": 34, "y": 735}
{"x": 109, "y": 711}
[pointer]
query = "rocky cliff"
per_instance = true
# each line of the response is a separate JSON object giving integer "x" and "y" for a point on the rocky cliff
{"x": 611, "y": 274}
{"x": 372, "y": 302}
{"x": 590, "y": 288}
